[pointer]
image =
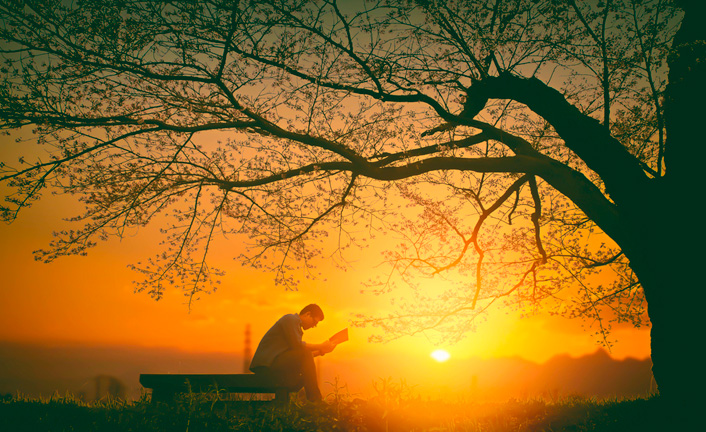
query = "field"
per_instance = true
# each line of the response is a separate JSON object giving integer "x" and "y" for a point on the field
{"x": 390, "y": 410}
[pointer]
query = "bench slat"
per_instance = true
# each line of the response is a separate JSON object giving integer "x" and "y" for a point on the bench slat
{"x": 165, "y": 386}
{"x": 204, "y": 380}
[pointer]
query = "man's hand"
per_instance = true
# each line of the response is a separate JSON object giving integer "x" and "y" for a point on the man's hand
{"x": 322, "y": 348}
{"x": 327, "y": 347}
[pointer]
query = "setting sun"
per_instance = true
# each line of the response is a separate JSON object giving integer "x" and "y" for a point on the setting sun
{"x": 440, "y": 355}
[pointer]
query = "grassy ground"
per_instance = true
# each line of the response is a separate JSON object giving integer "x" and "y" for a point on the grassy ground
{"x": 194, "y": 413}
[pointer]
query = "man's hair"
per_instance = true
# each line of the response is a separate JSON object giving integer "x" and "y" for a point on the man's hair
{"x": 315, "y": 311}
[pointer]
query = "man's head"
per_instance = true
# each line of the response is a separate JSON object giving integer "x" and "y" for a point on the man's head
{"x": 311, "y": 315}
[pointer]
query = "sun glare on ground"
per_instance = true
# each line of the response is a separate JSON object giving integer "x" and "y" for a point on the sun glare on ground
{"x": 440, "y": 355}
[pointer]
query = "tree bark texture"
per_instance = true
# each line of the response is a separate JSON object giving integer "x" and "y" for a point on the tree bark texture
{"x": 667, "y": 232}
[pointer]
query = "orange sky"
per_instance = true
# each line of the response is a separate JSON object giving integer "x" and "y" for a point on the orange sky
{"x": 90, "y": 300}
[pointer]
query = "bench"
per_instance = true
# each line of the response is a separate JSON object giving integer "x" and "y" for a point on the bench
{"x": 166, "y": 386}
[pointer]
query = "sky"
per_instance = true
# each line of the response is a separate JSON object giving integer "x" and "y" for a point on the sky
{"x": 90, "y": 301}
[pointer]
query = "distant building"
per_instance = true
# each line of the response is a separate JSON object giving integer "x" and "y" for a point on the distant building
{"x": 247, "y": 352}
{"x": 102, "y": 387}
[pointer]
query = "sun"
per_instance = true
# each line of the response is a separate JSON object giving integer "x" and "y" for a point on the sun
{"x": 440, "y": 355}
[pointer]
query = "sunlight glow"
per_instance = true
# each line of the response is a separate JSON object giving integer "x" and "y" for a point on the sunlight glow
{"x": 440, "y": 355}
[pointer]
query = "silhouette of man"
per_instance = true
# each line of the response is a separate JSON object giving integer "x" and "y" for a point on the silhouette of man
{"x": 284, "y": 356}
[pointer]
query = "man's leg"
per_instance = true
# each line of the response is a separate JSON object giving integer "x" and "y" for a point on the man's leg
{"x": 295, "y": 366}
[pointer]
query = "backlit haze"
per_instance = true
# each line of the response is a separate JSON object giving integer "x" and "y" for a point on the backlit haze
{"x": 90, "y": 301}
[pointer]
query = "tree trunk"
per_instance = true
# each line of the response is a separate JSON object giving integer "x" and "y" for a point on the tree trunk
{"x": 674, "y": 289}
{"x": 668, "y": 232}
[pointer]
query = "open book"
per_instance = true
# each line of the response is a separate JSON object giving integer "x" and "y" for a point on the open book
{"x": 339, "y": 337}
{"x": 336, "y": 339}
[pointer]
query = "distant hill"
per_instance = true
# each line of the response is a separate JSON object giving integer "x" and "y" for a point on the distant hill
{"x": 595, "y": 374}
{"x": 44, "y": 370}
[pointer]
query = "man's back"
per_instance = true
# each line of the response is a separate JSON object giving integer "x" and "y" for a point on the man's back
{"x": 284, "y": 335}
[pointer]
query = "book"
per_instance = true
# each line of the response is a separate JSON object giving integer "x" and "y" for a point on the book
{"x": 340, "y": 337}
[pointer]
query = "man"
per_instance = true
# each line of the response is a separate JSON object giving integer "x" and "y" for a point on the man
{"x": 283, "y": 354}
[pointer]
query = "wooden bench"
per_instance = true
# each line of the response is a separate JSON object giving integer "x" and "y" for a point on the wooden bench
{"x": 166, "y": 386}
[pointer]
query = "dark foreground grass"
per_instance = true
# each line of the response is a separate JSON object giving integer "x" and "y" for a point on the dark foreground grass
{"x": 195, "y": 413}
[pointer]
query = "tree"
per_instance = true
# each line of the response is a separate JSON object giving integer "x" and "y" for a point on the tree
{"x": 574, "y": 122}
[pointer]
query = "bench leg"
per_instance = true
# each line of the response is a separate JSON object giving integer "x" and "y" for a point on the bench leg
{"x": 281, "y": 395}
{"x": 163, "y": 396}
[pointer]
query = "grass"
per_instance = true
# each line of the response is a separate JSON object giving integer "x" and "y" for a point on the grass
{"x": 393, "y": 408}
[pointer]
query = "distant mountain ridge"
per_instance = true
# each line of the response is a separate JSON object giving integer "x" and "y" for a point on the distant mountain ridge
{"x": 37, "y": 370}
{"x": 595, "y": 374}
{"x": 598, "y": 374}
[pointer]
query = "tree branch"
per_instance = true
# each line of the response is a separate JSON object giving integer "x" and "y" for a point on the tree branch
{"x": 620, "y": 171}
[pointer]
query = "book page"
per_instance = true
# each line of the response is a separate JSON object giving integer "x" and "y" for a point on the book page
{"x": 339, "y": 337}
